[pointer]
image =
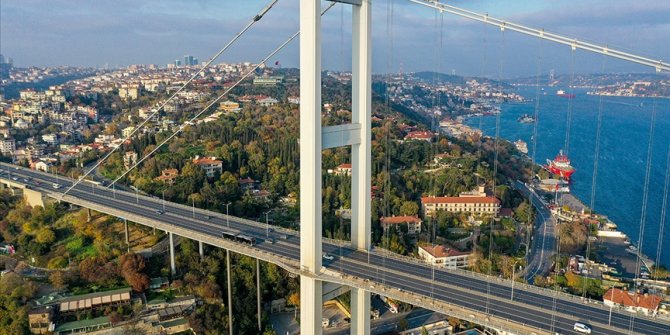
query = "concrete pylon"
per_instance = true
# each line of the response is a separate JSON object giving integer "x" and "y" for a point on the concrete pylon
{"x": 361, "y": 108}
{"x": 173, "y": 268}
{"x": 310, "y": 166}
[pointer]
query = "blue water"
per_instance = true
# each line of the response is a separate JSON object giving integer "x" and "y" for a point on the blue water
{"x": 623, "y": 154}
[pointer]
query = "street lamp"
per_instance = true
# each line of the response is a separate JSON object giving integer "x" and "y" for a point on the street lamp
{"x": 227, "y": 216}
{"x": 513, "y": 280}
{"x": 267, "y": 224}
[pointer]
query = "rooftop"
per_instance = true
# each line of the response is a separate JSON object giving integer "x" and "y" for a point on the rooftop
{"x": 400, "y": 219}
{"x": 630, "y": 299}
{"x": 440, "y": 251}
{"x": 460, "y": 200}
{"x": 69, "y": 326}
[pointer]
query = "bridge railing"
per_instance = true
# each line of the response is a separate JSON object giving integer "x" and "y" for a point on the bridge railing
{"x": 463, "y": 313}
{"x": 517, "y": 285}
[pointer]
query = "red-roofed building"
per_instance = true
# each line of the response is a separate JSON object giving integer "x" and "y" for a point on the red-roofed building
{"x": 633, "y": 302}
{"x": 505, "y": 213}
{"x": 419, "y": 135}
{"x": 343, "y": 170}
{"x": 211, "y": 165}
{"x": 467, "y": 204}
{"x": 248, "y": 184}
{"x": 413, "y": 223}
{"x": 445, "y": 256}
{"x": 168, "y": 176}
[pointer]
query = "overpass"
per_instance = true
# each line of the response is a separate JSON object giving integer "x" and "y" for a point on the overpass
{"x": 493, "y": 302}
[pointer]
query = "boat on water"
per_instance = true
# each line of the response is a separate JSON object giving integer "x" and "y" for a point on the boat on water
{"x": 564, "y": 94}
{"x": 521, "y": 146}
{"x": 526, "y": 118}
{"x": 560, "y": 166}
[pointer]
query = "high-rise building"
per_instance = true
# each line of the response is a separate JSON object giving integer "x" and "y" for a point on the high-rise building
{"x": 188, "y": 60}
{"x": 5, "y": 66}
{"x": 177, "y": 62}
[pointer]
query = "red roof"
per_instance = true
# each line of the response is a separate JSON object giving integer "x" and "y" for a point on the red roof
{"x": 420, "y": 135}
{"x": 440, "y": 251}
{"x": 344, "y": 166}
{"x": 629, "y": 299}
{"x": 247, "y": 181}
{"x": 460, "y": 200}
{"x": 505, "y": 212}
{"x": 400, "y": 219}
{"x": 203, "y": 161}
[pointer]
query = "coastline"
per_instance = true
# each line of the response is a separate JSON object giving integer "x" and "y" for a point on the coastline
{"x": 611, "y": 241}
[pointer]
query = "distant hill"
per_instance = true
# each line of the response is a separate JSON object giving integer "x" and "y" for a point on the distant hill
{"x": 593, "y": 79}
{"x": 432, "y": 77}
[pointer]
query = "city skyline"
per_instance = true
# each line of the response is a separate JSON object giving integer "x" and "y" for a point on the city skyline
{"x": 160, "y": 32}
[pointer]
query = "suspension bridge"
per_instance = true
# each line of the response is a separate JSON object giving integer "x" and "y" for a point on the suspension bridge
{"x": 498, "y": 304}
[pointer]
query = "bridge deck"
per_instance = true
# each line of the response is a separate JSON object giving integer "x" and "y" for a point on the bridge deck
{"x": 462, "y": 294}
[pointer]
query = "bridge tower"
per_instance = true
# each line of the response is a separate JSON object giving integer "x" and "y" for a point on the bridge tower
{"x": 313, "y": 139}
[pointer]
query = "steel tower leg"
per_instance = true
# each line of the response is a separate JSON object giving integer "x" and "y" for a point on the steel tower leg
{"x": 361, "y": 104}
{"x": 310, "y": 166}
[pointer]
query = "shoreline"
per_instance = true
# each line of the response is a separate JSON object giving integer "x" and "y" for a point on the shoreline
{"x": 613, "y": 232}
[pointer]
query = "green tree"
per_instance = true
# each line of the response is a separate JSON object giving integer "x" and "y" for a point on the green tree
{"x": 409, "y": 208}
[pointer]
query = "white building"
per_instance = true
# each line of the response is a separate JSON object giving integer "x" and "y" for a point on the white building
{"x": 444, "y": 256}
{"x": 211, "y": 165}
{"x": 633, "y": 302}
{"x": 268, "y": 101}
{"x": 413, "y": 223}
{"x": 50, "y": 139}
{"x": 7, "y": 146}
{"x": 464, "y": 204}
{"x": 127, "y": 131}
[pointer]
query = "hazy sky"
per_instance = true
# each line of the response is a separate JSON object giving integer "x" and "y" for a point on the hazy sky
{"x": 123, "y": 32}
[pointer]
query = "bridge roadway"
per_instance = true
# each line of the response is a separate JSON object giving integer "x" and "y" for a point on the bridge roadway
{"x": 458, "y": 293}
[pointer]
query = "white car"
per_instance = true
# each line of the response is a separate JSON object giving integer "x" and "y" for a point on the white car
{"x": 582, "y": 328}
{"x": 327, "y": 256}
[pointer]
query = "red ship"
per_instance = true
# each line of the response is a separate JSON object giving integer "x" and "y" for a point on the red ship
{"x": 561, "y": 166}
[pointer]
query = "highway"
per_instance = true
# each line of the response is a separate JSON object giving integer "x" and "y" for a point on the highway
{"x": 544, "y": 238}
{"x": 532, "y": 307}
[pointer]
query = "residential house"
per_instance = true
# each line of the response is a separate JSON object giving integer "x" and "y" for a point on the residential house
{"x": 129, "y": 159}
{"x": 40, "y": 320}
{"x": 248, "y": 184}
{"x": 168, "y": 176}
{"x": 211, "y": 165}
{"x": 413, "y": 223}
{"x": 267, "y": 102}
{"x": 7, "y": 146}
{"x": 445, "y": 256}
{"x": 419, "y": 135}
{"x": 633, "y": 302}
{"x": 229, "y": 107}
{"x": 342, "y": 170}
